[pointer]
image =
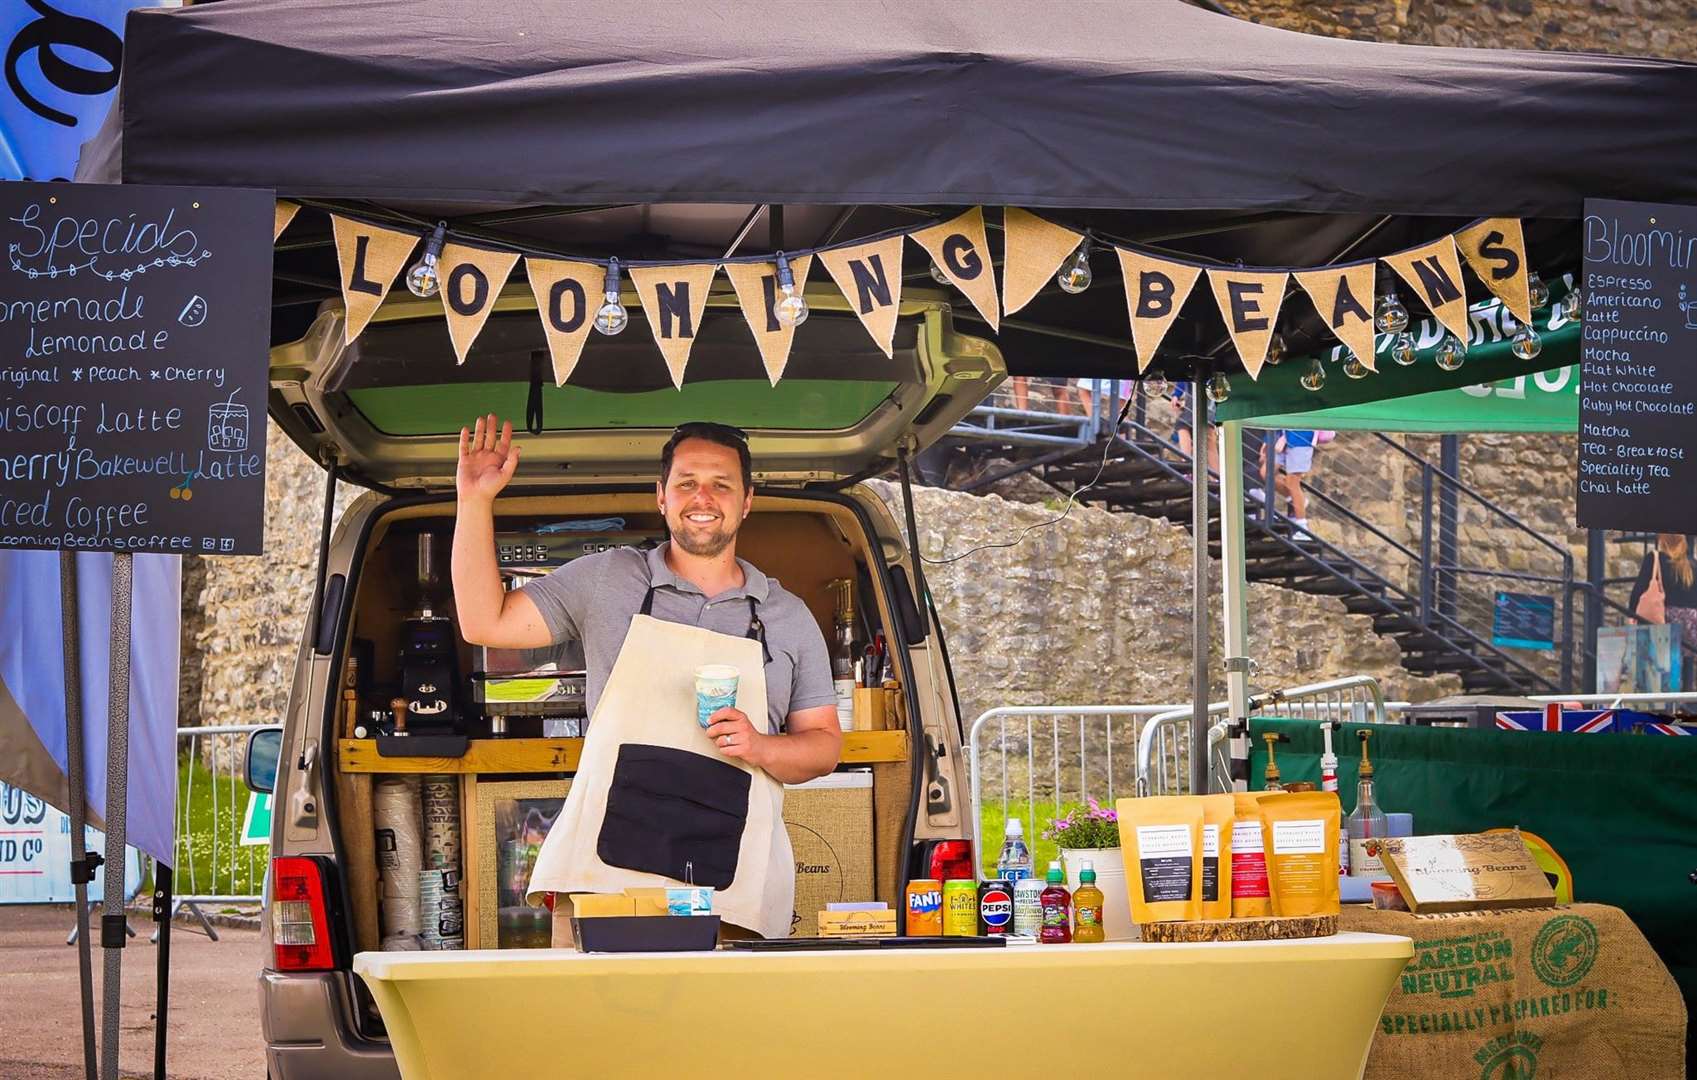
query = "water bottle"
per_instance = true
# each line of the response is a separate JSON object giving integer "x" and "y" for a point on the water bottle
{"x": 1015, "y": 861}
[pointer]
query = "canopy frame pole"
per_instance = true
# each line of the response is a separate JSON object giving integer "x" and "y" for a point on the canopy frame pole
{"x": 1234, "y": 595}
{"x": 113, "y": 923}
{"x": 1199, "y": 756}
{"x": 82, "y": 862}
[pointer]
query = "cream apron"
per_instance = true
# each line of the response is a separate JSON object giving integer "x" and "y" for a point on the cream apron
{"x": 654, "y": 803}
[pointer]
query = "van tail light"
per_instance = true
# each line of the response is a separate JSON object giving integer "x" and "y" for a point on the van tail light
{"x": 950, "y": 860}
{"x": 300, "y": 920}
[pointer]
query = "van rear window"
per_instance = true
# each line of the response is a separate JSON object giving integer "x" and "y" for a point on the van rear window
{"x": 795, "y": 404}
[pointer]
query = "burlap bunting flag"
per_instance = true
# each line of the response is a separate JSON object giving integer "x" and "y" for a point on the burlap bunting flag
{"x": 1343, "y": 298}
{"x": 962, "y": 253}
{"x": 1434, "y": 273}
{"x": 758, "y": 293}
{"x": 1496, "y": 249}
{"x": 471, "y": 281}
{"x": 1034, "y": 251}
{"x": 674, "y": 298}
{"x": 284, "y": 212}
{"x": 870, "y": 276}
{"x": 370, "y": 258}
{"x": 1155, "y": 290}
{"x": 567, "y": 296}
{"x": 1249, "y": 303}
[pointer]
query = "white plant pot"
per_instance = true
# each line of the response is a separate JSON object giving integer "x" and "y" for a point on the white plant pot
{"x": 1109, "y": 864}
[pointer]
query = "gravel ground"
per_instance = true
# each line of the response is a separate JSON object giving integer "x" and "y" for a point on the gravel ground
{"x": 214, "y": 1033}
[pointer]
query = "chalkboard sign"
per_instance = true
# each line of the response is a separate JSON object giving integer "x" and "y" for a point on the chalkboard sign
{"x": 1638, "y": 402}
{"x": 1524, "y": 621}
{"x": 134, "y": 327}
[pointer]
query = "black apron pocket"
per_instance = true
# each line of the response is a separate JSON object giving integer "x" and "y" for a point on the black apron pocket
{"x": 676, "y": 814}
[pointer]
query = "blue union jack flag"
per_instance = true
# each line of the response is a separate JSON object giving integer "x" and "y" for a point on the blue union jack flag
{"x": 1556, "y": 718}
{"x": 1663, "y": 729}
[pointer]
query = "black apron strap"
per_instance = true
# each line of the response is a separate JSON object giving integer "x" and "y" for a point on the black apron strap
{"x": 647, "y": 602}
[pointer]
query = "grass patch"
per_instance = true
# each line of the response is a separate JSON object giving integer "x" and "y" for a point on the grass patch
{"x": 210, "y": 860}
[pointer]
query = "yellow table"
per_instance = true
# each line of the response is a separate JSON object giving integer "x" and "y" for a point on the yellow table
{"x": 1300, "y": 1009}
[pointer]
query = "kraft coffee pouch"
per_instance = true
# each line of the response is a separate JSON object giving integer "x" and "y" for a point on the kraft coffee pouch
{"x": 1250, "y": 898}
{"x": 1162, "y": 839}
{"x": 1300, "y": 834}
{"x": 1217, "y": 812}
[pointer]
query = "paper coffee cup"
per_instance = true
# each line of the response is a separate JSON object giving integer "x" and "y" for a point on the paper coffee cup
{"x": 715, "y": 689}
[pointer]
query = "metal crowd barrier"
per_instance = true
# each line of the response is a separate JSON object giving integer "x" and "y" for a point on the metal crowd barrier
{"x": 1056, "y": 755}
{"x": 213, "y": 865}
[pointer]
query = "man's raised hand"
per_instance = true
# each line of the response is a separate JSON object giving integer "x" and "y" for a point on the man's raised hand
{"x": 487, "y": 459}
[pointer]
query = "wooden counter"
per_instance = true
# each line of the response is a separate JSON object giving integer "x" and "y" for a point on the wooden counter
{"x": 561, "y": 755}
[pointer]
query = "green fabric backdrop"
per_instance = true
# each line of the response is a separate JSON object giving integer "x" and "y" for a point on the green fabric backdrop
{"x": 1620, "y": 809}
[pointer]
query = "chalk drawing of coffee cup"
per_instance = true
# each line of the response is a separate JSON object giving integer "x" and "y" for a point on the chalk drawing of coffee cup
{"x": 194, "y": 312}
{"x": 226, "y": 424}
{"x": 1688, "y": 306}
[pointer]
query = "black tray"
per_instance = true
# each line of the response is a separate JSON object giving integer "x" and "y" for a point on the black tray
{"x": 647, "y": 933}
{"x": 444, "y": 746}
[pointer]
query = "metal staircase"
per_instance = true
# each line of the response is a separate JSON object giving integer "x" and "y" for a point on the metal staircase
{"x": 1416, "y": 594}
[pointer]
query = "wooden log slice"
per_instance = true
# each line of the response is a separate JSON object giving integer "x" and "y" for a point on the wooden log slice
{"x": 1267, "y": 929}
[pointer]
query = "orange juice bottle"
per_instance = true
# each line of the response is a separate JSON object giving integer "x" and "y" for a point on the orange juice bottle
{"x": 1087, "y": 906}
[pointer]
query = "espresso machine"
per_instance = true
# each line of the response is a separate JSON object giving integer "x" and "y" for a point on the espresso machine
{"x": 541, "y": 691}
{"x": 430, "y": 668}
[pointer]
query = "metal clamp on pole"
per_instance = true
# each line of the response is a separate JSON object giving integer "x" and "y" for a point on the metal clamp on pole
{"x": 82, "y": 870}
{"x": 113, "y": 930}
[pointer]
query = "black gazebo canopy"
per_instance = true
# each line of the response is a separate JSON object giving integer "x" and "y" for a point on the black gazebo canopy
{"x": 653, "y": 130}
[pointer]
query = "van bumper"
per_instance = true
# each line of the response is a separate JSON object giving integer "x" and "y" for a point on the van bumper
{"x": 309, "y": 1030}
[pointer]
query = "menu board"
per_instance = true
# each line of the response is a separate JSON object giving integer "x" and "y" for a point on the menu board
{"x": 1638, "y": 401}
{"x": 134, "y": 334}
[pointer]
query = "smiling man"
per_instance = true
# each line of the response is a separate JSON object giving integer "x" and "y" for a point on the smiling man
{"x": 705, "y": 492}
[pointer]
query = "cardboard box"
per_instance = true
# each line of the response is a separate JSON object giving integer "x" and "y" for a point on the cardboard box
{"x": 1469, "y": 872}
{"x": 874, "y": 923}
{"x": 830, "y": 827}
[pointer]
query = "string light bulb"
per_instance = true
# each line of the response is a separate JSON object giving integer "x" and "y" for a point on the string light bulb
{"x": 1451, "y": 353}
{"x": 1526, "y": 345}
{"x": 1536, "y": 290}
{"x": 791, "y": 309}
{"x": 1575, "y": 305}
{"x": 1275, "y": 350}
{"x": 1218, "y": 388}
{"x": 1075, "y": 276}
{"x": 1389, "y": 314}
{"x": 937, "y": 274}
{"x": 1315, "y": 377}
{"x": 1402, "y": 349}
{"x": 1354, "y": 368}
{"x": 424, "y": 279}
{"x": 611, "y": 317}
{"x": 1155, "y": 385}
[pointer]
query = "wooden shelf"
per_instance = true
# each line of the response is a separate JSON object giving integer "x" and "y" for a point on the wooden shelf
{"x": 562, "y": 755}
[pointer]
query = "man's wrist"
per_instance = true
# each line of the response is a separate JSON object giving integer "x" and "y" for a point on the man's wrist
{"x": 477, "y": 502}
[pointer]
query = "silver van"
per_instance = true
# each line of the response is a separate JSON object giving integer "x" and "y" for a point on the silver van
{"x": 385, "y": 413}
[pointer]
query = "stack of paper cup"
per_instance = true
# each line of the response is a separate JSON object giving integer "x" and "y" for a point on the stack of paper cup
{"x": 442, "y": 823}
{"x": 441, "y": 910}
{"x": 399, "y": 852}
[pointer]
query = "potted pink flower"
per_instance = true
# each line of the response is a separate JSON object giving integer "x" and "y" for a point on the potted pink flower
{"x": 1092, "y": 833}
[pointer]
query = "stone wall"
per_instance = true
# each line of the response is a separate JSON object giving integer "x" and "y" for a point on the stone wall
{"x": 1630, "y": 27}
{"x": 1095, "y": 609}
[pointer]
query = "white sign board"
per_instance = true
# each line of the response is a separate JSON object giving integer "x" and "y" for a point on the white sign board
{"x": 35, "y": 853}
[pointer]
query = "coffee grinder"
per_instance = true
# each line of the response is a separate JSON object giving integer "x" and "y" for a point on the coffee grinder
{"x": 430, "y": 669}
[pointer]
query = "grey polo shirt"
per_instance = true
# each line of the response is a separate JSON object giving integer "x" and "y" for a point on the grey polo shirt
{"x": 591, "y": 600}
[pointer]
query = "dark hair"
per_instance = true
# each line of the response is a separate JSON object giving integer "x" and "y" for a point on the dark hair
{"x": 718, "y": 434}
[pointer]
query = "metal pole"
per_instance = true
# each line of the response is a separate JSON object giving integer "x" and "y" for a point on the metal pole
{"x": 1595, "y": 571}
{"x": 1449, "y": 460}
{"x": 1567, "y": 623}
{"x": 1199, "y": 590}
{"x": 1234, "y": 593}
{"x": 1426, "y": 580}
{"x": 162, "y": 882}
{"x": 81, "y": 868}
{"x": 1269, "y": 474}
{"x": 112, "y": 922}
